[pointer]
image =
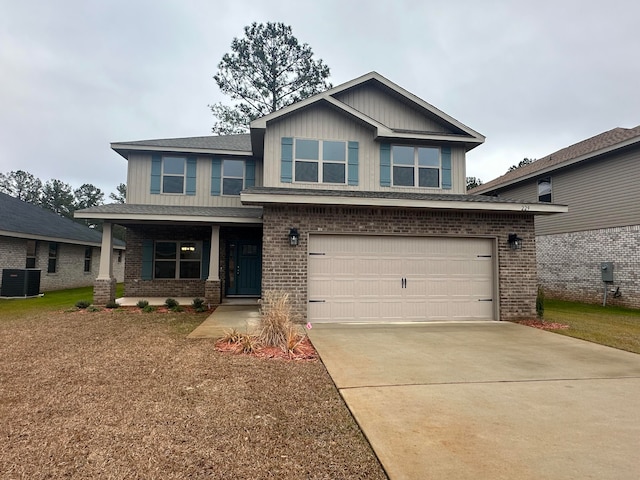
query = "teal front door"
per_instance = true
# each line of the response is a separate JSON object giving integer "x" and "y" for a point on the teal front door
{"x": 244, "y": 267}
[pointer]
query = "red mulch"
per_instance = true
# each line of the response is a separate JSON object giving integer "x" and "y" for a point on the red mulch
{"x": 543, "y": 325}
{"x": 304, "y": 351}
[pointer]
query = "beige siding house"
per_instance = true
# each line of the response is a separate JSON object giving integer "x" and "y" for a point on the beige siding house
{"x": 353, "y": 201}
{"x": 599, "y": 179}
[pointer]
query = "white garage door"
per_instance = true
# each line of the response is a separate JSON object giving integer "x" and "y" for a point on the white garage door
{"x": 387, "y": 278}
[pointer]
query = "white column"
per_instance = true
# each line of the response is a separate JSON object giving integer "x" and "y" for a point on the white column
{"x": 214, "y": 255}
{"x": 106, "y": 252}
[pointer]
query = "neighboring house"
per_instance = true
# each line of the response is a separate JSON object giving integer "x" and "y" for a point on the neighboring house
{"x": 352, "y": 201}
{"x": 599, "y": 179}
{"x": 67, "y": 253}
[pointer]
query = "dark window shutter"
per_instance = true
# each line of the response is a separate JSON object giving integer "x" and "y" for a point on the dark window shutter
{"x": 286, "y": 164}
{"x": 191, "y": 175}
{"x": 385, "y": 165}
{"x": 446, "y": 168}
{"x": 216, "y": 175}
{"x": 156, "y": 173}
{"x": 250, "y": 173}
{"x": 147, "y": 259}
{"x": 352, "y": 161}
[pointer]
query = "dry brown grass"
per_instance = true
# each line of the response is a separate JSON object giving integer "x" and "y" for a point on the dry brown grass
{"x": 118, "y": 394}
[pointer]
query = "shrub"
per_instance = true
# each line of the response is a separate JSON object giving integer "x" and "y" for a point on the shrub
{"x": 148, "y": 309}
{"x": 276, "y": 322}
{"x": 93, "y": 308}
{"x": 540, "y": 302}
{"x": 198, "y": 305}
{"x": 177, "y": 308}
{"x": 231, "y": 336}
{"x": 112, "y": 304}
{"x": 142, "y": 304}
{"x": 171, "y": 303}
{"x": 247, "y": 343}
{"x": 82, "y": 304}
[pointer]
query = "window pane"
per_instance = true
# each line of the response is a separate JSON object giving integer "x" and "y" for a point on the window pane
{"x": 173, "y": 165}
{"x": 189, "y": 251}
{"x": 403, "y": 176}
{"x": 31, "y": 248}
{"x": 172, "y": 184}
{"x": 249, "y": 250}
{"x": 335, "y": 151}
{"x": 428, "y": 157}
{"x": 31, "y": 262}
{"x": 402, "y": 155}
{"x": 165, "y": 269}
{"x": 165, "y": 250}
{"x": 307, "y": 149}
{"x": 306, "y": 171}
{"x": 189, "y": 269}
{"x": 333, "y": 173}
{"x": 51, "y": 266}
{"x": 233, "y": 168}
{"x": 231, "y": 186}
{"x": 429, "y": 177}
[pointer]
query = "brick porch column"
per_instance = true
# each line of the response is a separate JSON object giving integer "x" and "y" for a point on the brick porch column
{"x": 212, "y": 291}
{"x": 104, "y": 287}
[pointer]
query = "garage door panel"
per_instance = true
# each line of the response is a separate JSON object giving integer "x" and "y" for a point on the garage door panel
{"x": 387, "y": 278}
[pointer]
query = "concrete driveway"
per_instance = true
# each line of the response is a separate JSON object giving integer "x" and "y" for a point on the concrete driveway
{"x": 490, "y": 400}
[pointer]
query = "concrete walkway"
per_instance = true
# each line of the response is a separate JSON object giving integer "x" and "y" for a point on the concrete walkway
{"x": 487, "y": 400}
{"x": 243, "y": 318}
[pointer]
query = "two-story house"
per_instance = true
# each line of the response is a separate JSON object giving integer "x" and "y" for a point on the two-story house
{"x": 599, "y": 179}
{"x": 353, "y": 201}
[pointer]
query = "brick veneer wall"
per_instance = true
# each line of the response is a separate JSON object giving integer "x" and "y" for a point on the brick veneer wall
{"x": 70, "y": 265}
{"x": 569, "y": 264}
{"x": 285, "y": 267}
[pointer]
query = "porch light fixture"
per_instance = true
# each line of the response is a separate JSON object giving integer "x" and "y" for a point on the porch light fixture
{"x": 294, "y": 237}
{"x": 515, "y": 242}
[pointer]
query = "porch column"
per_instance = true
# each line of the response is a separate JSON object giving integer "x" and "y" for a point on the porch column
{"x": 104, "y": 288}
{"x": 212, "y": 286}
{"x": 214, "y": 255}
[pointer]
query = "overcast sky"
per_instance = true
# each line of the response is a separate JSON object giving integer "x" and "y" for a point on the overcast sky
{"x": 532, "y": 76}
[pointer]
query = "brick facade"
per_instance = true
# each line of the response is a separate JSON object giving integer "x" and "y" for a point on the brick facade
{"x": 69, "y": 266}
{"x": 285, "y": 267}
{"x": 569, "y": 264}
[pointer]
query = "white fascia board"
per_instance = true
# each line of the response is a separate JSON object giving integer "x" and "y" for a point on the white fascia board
{"x": 143, "y": 217}
{"x": 43, "y": 238}
{"x": 432, "y": 136}
{"x": 558, "y": 166}
{"x": 206, "y": 151}
{"x": 531, "y": 208}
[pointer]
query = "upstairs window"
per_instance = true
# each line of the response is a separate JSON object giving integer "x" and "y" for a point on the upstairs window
{"x": 175, "y": 260}
{"x": 232, "y": 176}
{"x": 173, "y": 174}
{"x": 544, "y": 189}
{"x": 320, "y": 161}
{"x": 415, "y": 166}
{"x": 31, "y": 254}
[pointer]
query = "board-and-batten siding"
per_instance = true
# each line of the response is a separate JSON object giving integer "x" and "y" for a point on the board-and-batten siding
{"x": 603, "y": 193}
{"x": 139, "y": 185}
{"x": 323, "y": 123}
{"x": 383, "y": 107}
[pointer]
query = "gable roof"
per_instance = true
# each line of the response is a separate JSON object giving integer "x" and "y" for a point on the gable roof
{"x": 24, "y": 220}
{"x": 587, "y": 149}
{"x": 463, "y": 134}
{"x": 239, "y": 143}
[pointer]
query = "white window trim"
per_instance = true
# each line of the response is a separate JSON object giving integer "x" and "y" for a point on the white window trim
{"x": 184, "y": 175}
{"x": 321, "y": 162}
{"x": 417, "y": 167}
{"x": 550, "y": 190}
{"x": 177, "y": 260}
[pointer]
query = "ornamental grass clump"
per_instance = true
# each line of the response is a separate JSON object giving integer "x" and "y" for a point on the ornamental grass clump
{"x": 277, "y": 328}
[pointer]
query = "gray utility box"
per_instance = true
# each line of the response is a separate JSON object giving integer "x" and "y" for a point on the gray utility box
{"x": 20, "y": 282}
{"x": 606, "y": 269}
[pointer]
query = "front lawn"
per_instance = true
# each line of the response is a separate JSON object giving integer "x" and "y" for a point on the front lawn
{"x": 612, "y": 326}
{"x": 124, "y": 394}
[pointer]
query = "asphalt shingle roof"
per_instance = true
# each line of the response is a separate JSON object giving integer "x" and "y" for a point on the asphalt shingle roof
{"x": 19, "y": 217}
{"x": 178, "y": 210}
{"x": 240, "y": 142}
{"x": 585, "y": 147}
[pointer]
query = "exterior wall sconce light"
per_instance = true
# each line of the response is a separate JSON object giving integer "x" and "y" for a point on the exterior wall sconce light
{"x": 515, "y": 242}
{"x": 294, "y": 237}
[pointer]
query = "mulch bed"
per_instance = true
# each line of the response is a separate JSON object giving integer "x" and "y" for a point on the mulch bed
{"x": 543, "y": 325}
{"x": 304, "y": 351}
